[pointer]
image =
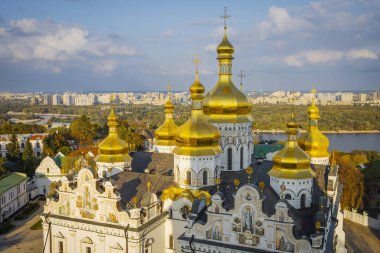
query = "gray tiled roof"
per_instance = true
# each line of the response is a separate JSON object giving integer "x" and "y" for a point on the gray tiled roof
{"x": 152, "y": 162}
{"x": 130, "y": 184}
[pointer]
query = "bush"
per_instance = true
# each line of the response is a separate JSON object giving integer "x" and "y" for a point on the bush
{"x": 6, "y": 226}
{"x": 37, "y": 225}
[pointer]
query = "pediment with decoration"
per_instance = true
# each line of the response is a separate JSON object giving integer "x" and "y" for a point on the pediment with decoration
{"x": 87, "y": 200}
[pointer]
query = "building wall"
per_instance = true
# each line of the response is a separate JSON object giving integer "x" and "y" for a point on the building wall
{"x": 13, "y": 199}
{"x": 236, "y": 136}
{"x": 295, "y": 188}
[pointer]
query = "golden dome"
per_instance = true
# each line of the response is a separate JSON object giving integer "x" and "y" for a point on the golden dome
{"x": 313, "y": 141}
{"x": 112, "y": 149}
{"x": 291, "y": 162}
{"x": 225, "y": 102}
{"x": 175, "y": 193}
{"x": 197, "y": 137}
{"x": 166, "y": 133}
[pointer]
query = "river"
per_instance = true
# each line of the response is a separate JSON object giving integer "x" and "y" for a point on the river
{"x": 342, "y": 142}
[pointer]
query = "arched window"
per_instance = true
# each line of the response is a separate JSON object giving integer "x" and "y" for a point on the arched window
{"x": 188, "y": 177}
{"x": 229, "y": 158}
{"x": 22, "y": 145}
{"x": 205, "y": 177}
{"x": 288, "y": 196}
{"x": 241, "y": 158}
{"x": 37, "y": 145}
{"x": 303, "y": 201}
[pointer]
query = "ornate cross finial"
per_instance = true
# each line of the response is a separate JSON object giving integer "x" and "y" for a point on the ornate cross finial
{"x": 196, "y": 61}
{"x": 241, "y": 75}
{"x": 314, "y": 92}
{"x": 169, "y": 88}
{"x": 225, "y": 17}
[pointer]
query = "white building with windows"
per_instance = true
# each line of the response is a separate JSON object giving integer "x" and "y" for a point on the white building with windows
{"x": 13, "y": 194}
{"x": 35, "y": 139}
{"x": 47, "y": 172}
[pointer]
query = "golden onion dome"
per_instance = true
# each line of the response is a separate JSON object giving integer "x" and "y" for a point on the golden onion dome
{"x": 291, "y": 162}
{"x": 225, "y": 102}
{"x": 313, "y": 141}
{"x": 197, "y": 137}
{"x": 113, "y": 149}
{"x": 225, "y": 47}
{"x": 166, "y": 133}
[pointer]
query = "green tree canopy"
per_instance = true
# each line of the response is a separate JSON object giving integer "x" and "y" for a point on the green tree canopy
{"x": 130, "y": 136}
{"x": 28, "y": 151}
{"x": 58, "y": 141}
{"x": 13, "y": 149}
{"x": 82, "y": 130}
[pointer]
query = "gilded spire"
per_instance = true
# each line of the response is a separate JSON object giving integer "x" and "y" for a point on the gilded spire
{"x": 241, "y": 75}
{"x": 225, "y": 17}
{"x": 291, "y": 162}
{"x": 225, "y": 102}
{"x": 197, "y": 89}
{"x": 166, "y": 133}
{"x": 313, "y": 141}
{"x": 112, "y": 149}
{"x": 197, "y": 137}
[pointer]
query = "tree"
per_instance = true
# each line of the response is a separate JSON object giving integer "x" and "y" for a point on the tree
{"x": 353, "y": 182}
{"x": 13, "y": 149}
{"x": 2, "y": 166}
{"x": 130, "y": 136}
{"x": 28, "y": 151}
{"x": 83, "y": 130}
{"x": 59, "y": 140}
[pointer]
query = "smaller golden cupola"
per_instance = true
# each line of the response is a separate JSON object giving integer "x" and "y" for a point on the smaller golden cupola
{"x": 113, "y": 149}
{"x": 291, "y": 162}
{"x": 166, "y": 133}
{"x": 197, "y": 137}
{"x": 313, "y": 141}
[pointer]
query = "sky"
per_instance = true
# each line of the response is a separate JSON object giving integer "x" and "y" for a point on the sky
{"x": 120, "y": 45}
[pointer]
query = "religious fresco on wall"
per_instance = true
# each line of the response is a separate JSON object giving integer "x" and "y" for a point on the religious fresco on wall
{"x": 282, "y": 242}
{"x": 247, "y": 228}
{"x": 215, "y": 233}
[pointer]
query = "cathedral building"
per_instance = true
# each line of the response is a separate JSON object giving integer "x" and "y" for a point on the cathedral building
{"x": 212, "y": 196}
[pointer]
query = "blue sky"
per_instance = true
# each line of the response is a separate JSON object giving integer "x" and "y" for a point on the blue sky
{"x": 144, "y": 45}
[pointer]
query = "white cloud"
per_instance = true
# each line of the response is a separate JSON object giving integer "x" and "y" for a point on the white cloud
{"x": 211, "y": 47}
{"x": 324, "y": 56}
{"x": 24, "y": 25}
{"x": 362, "y": 54}
{"x": 279, "y": 21}
{"x": 47, "y": 41}
{"x": 105, "y": 67}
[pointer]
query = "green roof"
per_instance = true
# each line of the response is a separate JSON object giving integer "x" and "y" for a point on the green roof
{"x": 11, "y": 180}
{"x": 260, "y": 150}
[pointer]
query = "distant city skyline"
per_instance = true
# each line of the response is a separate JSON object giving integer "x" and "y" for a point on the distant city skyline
{"x": 121, "y": 46}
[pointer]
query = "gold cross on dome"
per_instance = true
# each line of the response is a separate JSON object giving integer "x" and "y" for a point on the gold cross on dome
{"x": 241, "y": 75}
{"x": 196, "y": 61}
{"x": 169, "y": 88}
{"x": 225, "y": 17}
{"x": 314, "y": 91}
